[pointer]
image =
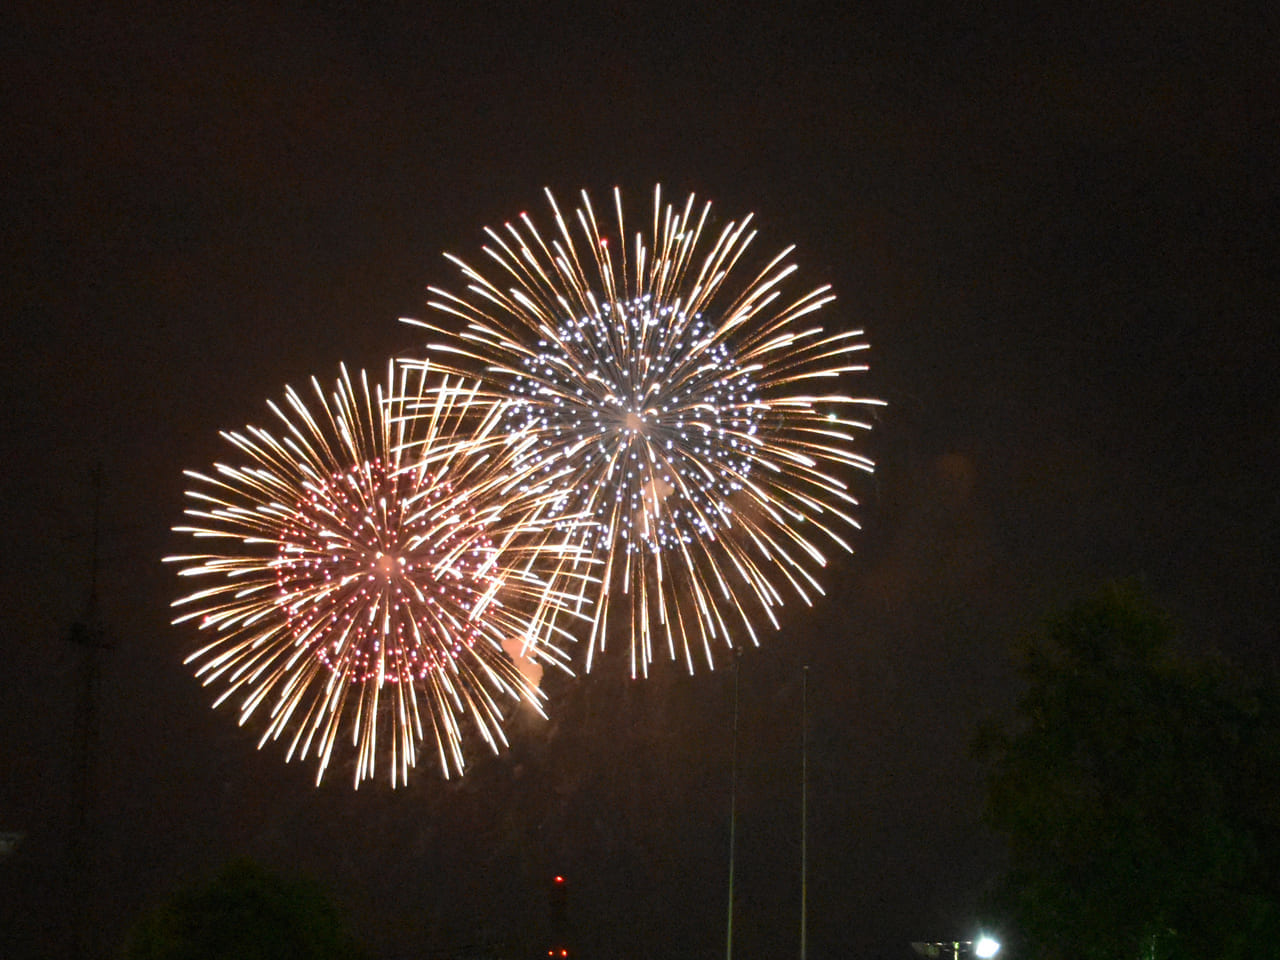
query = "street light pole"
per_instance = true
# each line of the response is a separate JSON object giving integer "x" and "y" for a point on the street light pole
{"x": 733, "y": 801}
{"x": 804, "y": 810}
{"x": 91, "y": 637}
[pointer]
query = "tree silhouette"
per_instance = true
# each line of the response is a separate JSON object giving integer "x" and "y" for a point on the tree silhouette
{"x": 244, "y": 913}
{"x": 1137, "y": 789}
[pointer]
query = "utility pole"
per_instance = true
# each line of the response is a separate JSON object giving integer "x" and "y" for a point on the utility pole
{"x": 90, "y": 637}
{"x": 804, "y": 810}
{"x": 733, "y": 800}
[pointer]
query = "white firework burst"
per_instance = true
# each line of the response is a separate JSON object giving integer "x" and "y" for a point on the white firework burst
{"x": 376, "y": 573}
{"x": 680, "y": 399}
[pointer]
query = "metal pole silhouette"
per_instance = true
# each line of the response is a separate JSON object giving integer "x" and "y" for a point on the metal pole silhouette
{"x": 733, "y": 801}
{"x": 804, "y": 810}
{"x": 89, "y": 635}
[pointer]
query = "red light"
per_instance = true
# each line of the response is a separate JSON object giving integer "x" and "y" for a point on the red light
{"x": 559, "y": 879}
{"x": 564, "y": 953}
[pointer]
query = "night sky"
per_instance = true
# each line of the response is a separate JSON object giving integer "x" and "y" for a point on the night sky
{"x": 1058, "y": 229}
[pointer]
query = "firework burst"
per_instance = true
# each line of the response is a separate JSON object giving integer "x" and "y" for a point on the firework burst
{"x": 371, "y": 568}
{"x": 682, "y": 398}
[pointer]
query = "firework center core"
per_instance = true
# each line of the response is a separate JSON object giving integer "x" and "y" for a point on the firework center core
{"x": 362, "y": 586}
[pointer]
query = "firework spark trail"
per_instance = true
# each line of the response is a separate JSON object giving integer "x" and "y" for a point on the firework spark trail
{"x": 695, "y": 416}
{"x": 370, "y": 564}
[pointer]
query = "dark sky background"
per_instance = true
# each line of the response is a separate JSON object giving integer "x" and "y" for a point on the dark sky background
{"x": 1058, "y": 228}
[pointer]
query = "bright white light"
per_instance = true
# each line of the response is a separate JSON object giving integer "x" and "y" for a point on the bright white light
{"x": 986, "y": 947}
